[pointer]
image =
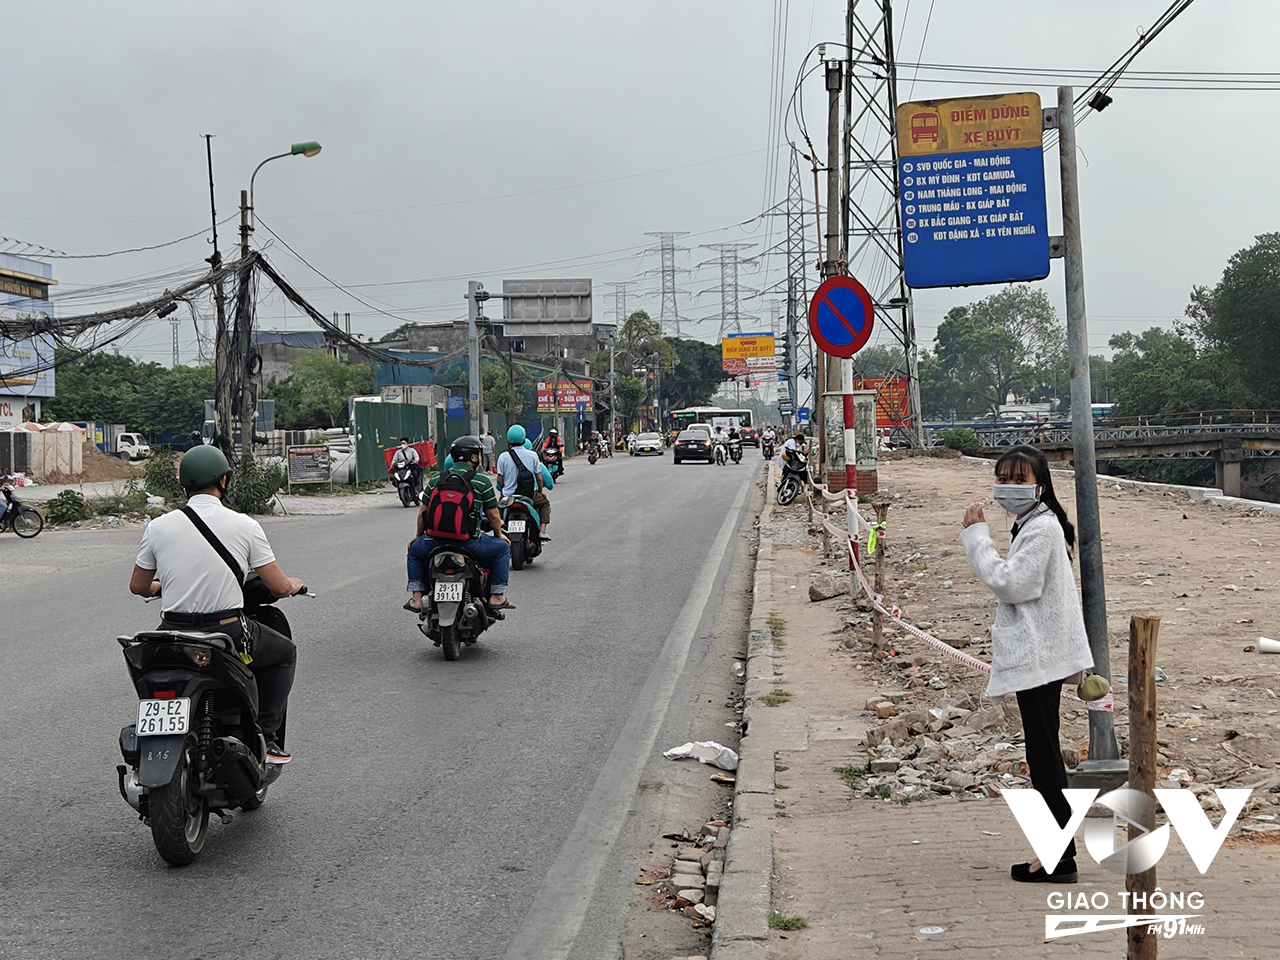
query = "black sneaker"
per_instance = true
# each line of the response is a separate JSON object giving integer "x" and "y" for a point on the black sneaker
{"x": 1064, "y": 872}
{"x": 277, "y": 754}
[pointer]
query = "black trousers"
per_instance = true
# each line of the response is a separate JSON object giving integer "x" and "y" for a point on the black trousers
{"x": 1039, "y": 707}
{"x": 275, "y": 660}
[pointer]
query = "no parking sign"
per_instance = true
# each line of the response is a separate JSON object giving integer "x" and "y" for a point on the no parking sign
{"x": 841, "y": 316}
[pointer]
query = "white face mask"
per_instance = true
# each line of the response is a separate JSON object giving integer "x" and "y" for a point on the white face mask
{"x": 1017, "y": 498}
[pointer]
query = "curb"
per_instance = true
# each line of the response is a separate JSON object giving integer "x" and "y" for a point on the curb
{"x": 742, "y": 910}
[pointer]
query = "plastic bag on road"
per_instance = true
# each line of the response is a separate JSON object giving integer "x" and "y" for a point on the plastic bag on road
{"x": 705, "y": 751}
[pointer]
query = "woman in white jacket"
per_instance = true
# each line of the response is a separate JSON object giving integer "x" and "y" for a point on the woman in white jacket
{"x": 1038, "y": 638}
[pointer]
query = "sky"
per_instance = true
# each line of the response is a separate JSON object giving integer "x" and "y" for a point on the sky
{"x": 499, "y": 139}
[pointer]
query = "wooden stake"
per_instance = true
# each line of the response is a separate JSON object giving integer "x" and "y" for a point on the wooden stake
{"x": 877, "y": 619}
{"x": 1142, "y": 761}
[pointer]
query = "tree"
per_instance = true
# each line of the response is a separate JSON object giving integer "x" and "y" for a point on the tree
{"x": 630, "y": 392}
{"x": 1163, "y": 371}
{"x": 1002, "y": 344}
{"x": 879, "y": 361}
{"x": 399, "y": 333}
{"x": 696, "y": 376}
{"x": 327, "y": 383}
{"x": 107, "y": 388}
{"x": 509, "y": 390}
{"x": 639, "y": 341}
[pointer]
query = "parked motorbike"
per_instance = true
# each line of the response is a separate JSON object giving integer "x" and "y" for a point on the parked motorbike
{"x": 766, "y": 447}
{"x": 25, "y": 521}
{"x": 735, "y": 451}
{"x": 408, "y": 486}
{"x": 196, "y": 747}
{"x": 454, "y": 610}
{"x": 795, "y": 474}
{"x": 523, "y": 527}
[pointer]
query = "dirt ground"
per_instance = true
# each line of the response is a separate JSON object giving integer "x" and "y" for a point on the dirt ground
{"x": 1207, "y": 572}
{"x": 96, "y": 468}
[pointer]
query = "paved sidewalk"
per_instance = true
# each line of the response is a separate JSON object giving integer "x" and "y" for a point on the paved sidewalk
{"x": 871, "y": 876}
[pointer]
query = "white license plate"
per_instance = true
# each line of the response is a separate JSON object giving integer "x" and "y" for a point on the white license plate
{"x": 448, "y": 593}
{"x": 515, "y": 526}
{"x": 157, "y": 718}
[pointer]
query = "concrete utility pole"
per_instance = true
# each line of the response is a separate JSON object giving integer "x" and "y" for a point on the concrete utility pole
{"x": 1102, "y": 737}
{"x": 476, "y": 294}
{"x": 244, "y": 333}
{"x": 831, "y": 425}
{"x": 221, "y": 353}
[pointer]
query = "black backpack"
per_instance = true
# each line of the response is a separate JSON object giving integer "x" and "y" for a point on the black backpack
{"x": 451, "y": 507}
{"x": 526, "y": 483}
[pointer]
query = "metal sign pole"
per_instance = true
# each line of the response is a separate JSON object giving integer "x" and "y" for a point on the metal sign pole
{"x": 1102, "y": 737}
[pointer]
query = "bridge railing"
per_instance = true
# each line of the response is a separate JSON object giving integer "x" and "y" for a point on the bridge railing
{"x": 1118, "y": 428}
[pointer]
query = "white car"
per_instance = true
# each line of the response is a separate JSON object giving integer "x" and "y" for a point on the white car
{"x": 648, "y": 443}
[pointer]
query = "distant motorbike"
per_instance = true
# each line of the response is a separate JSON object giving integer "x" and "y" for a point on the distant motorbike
{"x": 196, "y": 746}
{"x": 555, "y": 464}
{"x": 455, "y": 610}
{"x": 25, "y": 521}
{"x": 523, "y": 527}
{"x": 766, "y": 447}
{"x": 593, "y": 454}
{"x": 735, "y": 451}
{"x": 408, "y": 486}
{"x": 719, "y": 453}
{"x": 795, "y": 474}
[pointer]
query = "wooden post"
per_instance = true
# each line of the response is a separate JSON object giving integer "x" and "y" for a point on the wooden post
{"x": 1142, "y": 760}
{"x": 877, "y": 620}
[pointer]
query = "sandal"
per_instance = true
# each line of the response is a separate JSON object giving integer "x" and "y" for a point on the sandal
{"x": 504, "y": 605}
{"x": 408, "y": 605}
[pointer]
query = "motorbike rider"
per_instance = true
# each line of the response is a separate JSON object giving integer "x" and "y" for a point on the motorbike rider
{"x": 768, "y": 434}
{"x": 553, "y": 442}
{"x": 492, "y": 553}
{"x": 201, "y": 594}
{"x": 407, "y": 456}
{"x": 510, "y": 474}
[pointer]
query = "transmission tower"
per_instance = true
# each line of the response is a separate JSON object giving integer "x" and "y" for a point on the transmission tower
{"x": 797, "y": 295}
{"x": 669, "y": 317}
{"x": 620, "y": 300}
{"x": 870, "y": 221}
{"x": 731, "y": 315}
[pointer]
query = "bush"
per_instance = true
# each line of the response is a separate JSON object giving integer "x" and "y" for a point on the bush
{"x": 253, "y": 486}
{"x": 960, "y": 438}
{"x": 131, "y": 500}
{"x": 160, "y": 478}
{"x": 67, "y": 507}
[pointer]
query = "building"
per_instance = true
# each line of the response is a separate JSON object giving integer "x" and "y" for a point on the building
{"x": 24, "y": 291}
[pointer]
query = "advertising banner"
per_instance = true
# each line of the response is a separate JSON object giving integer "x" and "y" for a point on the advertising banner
{"x": 563, "y": 396}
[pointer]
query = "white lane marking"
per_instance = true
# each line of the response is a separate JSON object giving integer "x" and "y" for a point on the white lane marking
{"x": 560, "y": 908}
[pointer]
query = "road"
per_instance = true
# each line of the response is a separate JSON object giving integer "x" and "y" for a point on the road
{"x": 452, "y": 810}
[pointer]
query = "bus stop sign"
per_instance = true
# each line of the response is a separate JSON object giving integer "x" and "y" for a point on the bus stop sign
{"x": 840, "y": 316}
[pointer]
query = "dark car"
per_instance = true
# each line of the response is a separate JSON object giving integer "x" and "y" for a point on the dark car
{"x": 692, "y": 445}
{"x": 749, "y": 435}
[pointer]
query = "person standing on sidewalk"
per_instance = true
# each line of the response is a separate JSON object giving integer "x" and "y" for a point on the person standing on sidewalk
{"x": 1038, "y": 638}
{"x": 487, "y": 447}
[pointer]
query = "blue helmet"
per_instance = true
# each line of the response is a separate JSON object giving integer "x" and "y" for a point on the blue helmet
{"x": 528, "y": 444}
{"x": 515, "y": 434}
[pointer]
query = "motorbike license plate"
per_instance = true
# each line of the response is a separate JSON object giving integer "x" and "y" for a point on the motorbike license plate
{"x": 448, "y": 592}
{"x": 158, "y": 718}
{"x": 515, "y": 526}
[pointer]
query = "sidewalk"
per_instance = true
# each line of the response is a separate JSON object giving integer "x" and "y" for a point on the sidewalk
{"x": 869, "y": 875}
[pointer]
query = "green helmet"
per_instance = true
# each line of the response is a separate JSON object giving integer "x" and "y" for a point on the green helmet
{"x": 201, "y": 467}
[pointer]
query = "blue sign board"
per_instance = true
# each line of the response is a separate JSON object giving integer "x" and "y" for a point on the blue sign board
{"x": 802, "y": 414}
{"x": 971, "y": 189}
{"x": 454, "y": 408}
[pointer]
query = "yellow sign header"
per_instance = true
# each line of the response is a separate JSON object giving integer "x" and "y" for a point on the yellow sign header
{"x": 1003, "y": 121}
{"x": 744, "y": 347}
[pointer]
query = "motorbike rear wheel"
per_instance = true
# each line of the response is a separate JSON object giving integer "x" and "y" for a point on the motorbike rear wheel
{"x": 788, "y": 490}
{"x": 451, "y": 642}
{"x": 592, "y": 457}
{"x": 27, "y": 522}
{"x": 517, "y": 551}
{"x": 179, "y": 814}
{"x": 258, "y": 800}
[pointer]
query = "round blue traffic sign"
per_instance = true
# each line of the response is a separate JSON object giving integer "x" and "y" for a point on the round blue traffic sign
{"x": 841, "y": 316}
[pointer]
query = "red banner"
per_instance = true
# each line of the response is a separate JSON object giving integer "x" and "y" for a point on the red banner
{"x": 566, "y": 395}
{"x": 892, "y": 406}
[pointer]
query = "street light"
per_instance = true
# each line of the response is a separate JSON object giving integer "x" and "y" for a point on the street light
{"x": 308, "y": 148}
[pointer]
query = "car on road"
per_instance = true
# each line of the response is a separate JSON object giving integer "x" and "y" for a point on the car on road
{"x": 749, "y": 435}
{"x": 692, "y": 444}
{"x": 648, "y": 443}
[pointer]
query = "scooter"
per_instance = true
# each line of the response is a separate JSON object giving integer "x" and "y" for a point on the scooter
{"x": 766, "y": 447}
{"x": 735, "y": 451}
{"x": 25, "y": 521}
{"x": 407, "y": 486}
{"x": 593, "y": 454}
{"x": 555, "y": 465}
{"x": 523, "y": 527}
{"x": 455, "y": 610}
{"x": 196, "y": 747}
{"x": 795, "y": 473}
{"x": 719, "y": 453}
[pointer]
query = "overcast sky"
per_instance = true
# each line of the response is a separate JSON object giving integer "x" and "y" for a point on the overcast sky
{"x": 498, "y": 139}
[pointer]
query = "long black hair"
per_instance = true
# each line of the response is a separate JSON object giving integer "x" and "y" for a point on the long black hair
{"x": 1036, "y": 461}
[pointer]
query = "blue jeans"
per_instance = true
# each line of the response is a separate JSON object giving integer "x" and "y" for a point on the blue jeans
{"x": 492, "y": 553}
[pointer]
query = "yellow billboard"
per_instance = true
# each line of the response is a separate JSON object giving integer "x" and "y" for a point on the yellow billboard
{"x": 744, "y": 346}
{"x": 1002, "y": 121}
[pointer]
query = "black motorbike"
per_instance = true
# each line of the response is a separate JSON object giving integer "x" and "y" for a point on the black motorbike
{"x": 408, "y": 485}
{"x": 593, "y": 454}
{"x": 735, "y": 451}
{"x": 196, "y": 747}
{"x": 523, "y": 527}
{"x": 766, "y": 447}
{"x": 455, "y": 610}
{"x": 25, "y": 521}
{"x": 795, "y": 474}
{"x": 555, "y": 463}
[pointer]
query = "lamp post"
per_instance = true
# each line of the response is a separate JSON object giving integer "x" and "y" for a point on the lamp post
{"x": 244, "y": 319}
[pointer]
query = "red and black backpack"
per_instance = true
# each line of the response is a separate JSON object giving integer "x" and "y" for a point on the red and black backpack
{"x": 451, "y": 507}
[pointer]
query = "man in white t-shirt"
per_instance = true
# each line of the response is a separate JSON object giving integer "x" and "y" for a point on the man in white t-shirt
{"x": 201, "y": 593}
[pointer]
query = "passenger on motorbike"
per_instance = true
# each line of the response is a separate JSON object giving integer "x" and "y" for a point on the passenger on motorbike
{"x": 510, "y": 474}
{"x": 492, "y": 553}
{"x": 794, "y": 445}
{"x": 407, "y": 456}
{"x": 201, "y": 593}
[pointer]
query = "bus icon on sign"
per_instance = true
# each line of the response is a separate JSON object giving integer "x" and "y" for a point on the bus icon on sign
{"x": 924, "y": 126}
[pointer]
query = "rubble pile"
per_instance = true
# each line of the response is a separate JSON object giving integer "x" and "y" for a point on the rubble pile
{"x": 692, "y": 885}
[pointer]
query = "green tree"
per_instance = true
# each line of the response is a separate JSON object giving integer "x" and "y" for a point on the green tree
{"x": 147, "y": 397}
{"x": 1000, "y": 345}
{"x": 1163, "y": 371}
{"x": 878, "y": 361}
{"x": 327, "y": 383}
{"x": 630, "y": 392}
{"x": 509, "y": 390}
{"x": 639, "y": 341}
{"x": 696, "y": 376}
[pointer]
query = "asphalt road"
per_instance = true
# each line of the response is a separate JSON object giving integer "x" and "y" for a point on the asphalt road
{"x": 452, "y": 810}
